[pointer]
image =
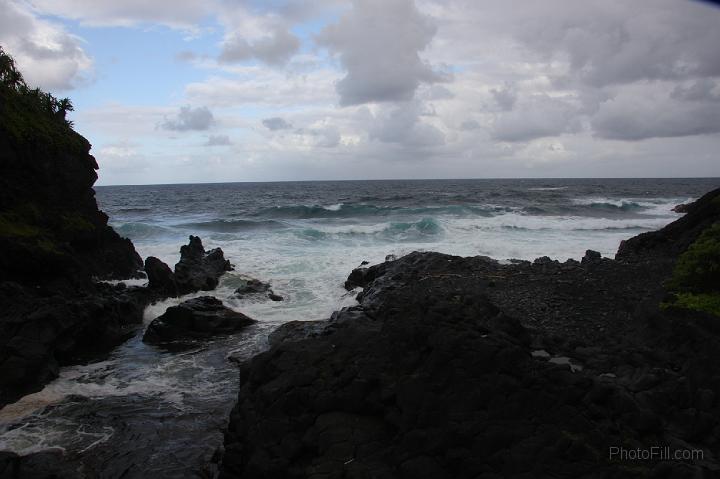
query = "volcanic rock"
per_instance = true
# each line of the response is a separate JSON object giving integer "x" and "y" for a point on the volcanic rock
{"x": 197, "y": 269}
{"x": 194, "y": 319}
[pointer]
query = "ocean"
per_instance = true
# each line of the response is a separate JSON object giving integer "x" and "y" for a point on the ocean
{"x": 151, "y": 412}
{"x": 306, "y": 237}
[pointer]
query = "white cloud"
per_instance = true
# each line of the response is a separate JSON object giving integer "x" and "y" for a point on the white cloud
{"x": 47, "y": 55}
{"x": 218, "y": 140}
{"x": 127, "y": 13}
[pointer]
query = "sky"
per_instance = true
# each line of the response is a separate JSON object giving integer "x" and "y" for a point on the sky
{"x": 275, "y": 90}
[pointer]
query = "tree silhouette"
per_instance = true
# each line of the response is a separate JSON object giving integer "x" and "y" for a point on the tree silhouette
{"x": 12, "y": 83}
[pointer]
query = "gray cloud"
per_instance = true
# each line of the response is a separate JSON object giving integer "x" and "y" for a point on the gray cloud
{"x": 703, "y": 89}
{"x": 638, "y": 118}
{"x": 275, "y": 49}
{"x": 403, "y": 125}
{"x": 610, "y": 43}
{"x": 328, "y": 137}
{"x": 276, "y": 123}
{"x": 218, "y": 140}
{"x": 186, "y": 56}
{"x": 188, "y": 119}
{"x": 505, "y": 97}
{"x": 438, "y": 92}
{"x": 378, "y": 43}
{"x": 537, "y": 117}
{"x": 468, "y": 125}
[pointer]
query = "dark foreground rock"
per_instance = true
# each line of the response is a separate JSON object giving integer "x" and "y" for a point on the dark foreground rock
{"x": 195, "y": 319}
{"x": 44, "y": 329}
{"x": 466, "y": 368}
{"x": 54, "y": 245}
{"x": 199, "y": 270}
{"x": 674, "y": 238}
{"x": 160, "y": 277}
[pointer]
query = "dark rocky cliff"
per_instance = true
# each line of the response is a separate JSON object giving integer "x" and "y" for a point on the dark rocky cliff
{"x": 54, "y": 242}
{"x": 50, "y": 225}
{"x": 456, "y": 368}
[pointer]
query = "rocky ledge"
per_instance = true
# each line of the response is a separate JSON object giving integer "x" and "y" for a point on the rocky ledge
{"x": 456, "y": 367}
{"x": 195, "y": 319}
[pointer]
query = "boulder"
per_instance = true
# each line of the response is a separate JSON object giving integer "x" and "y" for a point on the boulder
{"x": 255, "y": 287}
{"x": 195, "y": 319}
{"x": 252, "y": 286}
{"x": 160, "y": 276}
{"x": 199, "y": 270}
{"x": 681, "y": 208}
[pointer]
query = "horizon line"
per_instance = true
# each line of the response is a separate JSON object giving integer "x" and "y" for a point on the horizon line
{"x": 423, "y": 179}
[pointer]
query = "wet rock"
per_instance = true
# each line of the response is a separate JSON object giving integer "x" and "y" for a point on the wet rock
{"x": 255, "y": 287}
{"x": 274, "y": 297}
{"x": 591, "y": 257}
{"x": 195, "y": 319}
{"x": 197, "y": 269}
{"x": 681, "y": 208}
{"x": 45, "y": 329}
{"x": 433, "y": 375}
{"x": 252, "y": 286}
{"x": 160, "y": 276}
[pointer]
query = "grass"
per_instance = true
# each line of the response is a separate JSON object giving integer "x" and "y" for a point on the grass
{"x": 706, "y": 302}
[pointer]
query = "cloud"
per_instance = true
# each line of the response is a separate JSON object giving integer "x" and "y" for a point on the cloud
{"x": 612, "y": 42}
{"x": 537, "y": 117}
{"x": 255, "y": 85}
{"x": 276, "y": 123}
{"x": 703, "y": 89}
{"x": 643, "y": 113}
{"x": 47, "y": 55}
{"x": 378, "y": 43}
{"x": 274, "y": 49}
{"x": 403, "y": 125}
{"x": 183, "y": 15}
{"x": 325, "y": 137}
{"x": 468, "y": 125}
{"x": 218, "y": 140}
{"x": 188, "y": 119}
{"x": 505, "y": 97}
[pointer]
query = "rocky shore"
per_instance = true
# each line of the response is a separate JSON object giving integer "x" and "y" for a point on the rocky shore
{"x": 57, "y": 249}
{"x": 456, "y": 367}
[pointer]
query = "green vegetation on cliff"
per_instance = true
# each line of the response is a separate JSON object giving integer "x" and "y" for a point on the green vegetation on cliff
{"x": 30, "y": 114}
{"x": 696, "y": 278}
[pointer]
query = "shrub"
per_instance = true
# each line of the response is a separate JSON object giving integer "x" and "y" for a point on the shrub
{"x": 698, "y": 268}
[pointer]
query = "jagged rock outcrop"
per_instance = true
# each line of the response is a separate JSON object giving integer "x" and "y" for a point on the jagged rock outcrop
{"x": 160, "y": 277}
{"x": 199, "y": 270}
{"x": 456, "y": 367}
{"x": 195, "y": 319}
